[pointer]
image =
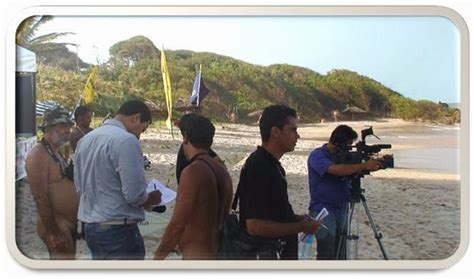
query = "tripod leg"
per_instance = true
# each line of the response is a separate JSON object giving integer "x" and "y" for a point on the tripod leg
{"x": 377, "y": 234}
{"x": 345, "y": 231}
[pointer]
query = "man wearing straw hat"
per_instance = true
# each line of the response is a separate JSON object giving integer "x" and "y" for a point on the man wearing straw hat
{"x": 53, "y": 188}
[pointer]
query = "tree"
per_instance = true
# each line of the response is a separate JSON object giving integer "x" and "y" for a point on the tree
{"x": 134, "y": 49}
{"x": 26, "y": 35}
{"x": 47, "y": 50}
{"x": 63, "y": 58}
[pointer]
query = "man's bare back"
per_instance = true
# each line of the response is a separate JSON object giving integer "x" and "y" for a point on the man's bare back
{"x": 57, "y": 202}
{"x": 196, "y": 224}
{"x": 201, "y": 235}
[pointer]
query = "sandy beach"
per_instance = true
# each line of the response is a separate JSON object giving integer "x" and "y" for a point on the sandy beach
{"x": 416, "y": 204}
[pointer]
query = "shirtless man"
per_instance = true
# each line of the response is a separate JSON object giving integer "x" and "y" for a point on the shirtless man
{"x": 83, "y": 118}
{"x": 204, "y": 196}
{"x": 54, "y": 193}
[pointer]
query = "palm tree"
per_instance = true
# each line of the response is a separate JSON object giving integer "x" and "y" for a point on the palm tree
{"x": 47, "y": 50}
{"x": 26, "y": 35}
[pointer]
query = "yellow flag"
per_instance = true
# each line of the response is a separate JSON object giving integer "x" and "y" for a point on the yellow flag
{"x": 167, "y": 85}
{"x": 89, "y": 89}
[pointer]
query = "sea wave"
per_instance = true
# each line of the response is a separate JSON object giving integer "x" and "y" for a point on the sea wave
{"x": 435, "y": 127}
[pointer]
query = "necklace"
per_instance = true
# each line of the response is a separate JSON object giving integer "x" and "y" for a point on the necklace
{"x": 50, "y": 151}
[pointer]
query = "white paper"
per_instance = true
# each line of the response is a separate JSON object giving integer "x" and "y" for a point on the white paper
{"x": 167, "y": 195}
{"x": 322, "y": 214}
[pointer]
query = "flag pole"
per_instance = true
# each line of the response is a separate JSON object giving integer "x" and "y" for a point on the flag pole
{"x": 79, "y": 101}
{"x": 171, "y": 110}
{"x": 167, "y": 88}
{"x": 199, "y": 84}
{"x": 77, "y": 68}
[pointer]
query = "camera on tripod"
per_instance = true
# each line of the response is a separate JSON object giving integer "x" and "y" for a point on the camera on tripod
{"x": 356, "y": 154}
{"x": 364, "y": 152}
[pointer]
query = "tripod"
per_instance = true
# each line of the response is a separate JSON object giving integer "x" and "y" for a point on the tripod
{"x": 356, "y": 197}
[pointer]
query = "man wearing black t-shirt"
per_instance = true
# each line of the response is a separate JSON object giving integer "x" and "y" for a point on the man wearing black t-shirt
{"x": 265, "y": 210}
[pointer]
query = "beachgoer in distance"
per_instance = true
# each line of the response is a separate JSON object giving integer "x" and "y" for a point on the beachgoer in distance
{"x": 204, "y": 196}
{"x": 53, "y": 191}
{"x": 335, "y": 115}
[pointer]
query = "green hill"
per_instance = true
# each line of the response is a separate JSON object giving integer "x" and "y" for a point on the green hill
{"x": 134, "y": 71}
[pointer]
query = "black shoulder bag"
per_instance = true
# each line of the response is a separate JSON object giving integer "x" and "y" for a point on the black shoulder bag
{"x": 237, "y": 244}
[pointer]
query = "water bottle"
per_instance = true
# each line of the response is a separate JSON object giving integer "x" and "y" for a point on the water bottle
{"x": 307, "y": 247}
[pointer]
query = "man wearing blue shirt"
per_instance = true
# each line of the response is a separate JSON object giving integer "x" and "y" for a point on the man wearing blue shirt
{"x": 329, "y": 187}
{"x": 109, "y": 176}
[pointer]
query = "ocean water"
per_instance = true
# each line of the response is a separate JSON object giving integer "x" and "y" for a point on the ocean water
{"x": 431, "y": 148}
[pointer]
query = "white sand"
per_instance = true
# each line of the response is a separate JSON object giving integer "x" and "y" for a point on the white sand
{"x": 417, "y": 211}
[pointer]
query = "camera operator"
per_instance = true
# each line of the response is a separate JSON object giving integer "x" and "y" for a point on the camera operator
{"x": 330, "y": 187}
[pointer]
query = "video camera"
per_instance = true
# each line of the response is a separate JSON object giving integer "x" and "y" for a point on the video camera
{"x": 364, "y": 152}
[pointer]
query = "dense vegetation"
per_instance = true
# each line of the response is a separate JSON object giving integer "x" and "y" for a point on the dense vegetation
{"x": 133, "y": 71}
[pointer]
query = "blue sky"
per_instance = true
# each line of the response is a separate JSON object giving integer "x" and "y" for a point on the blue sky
{"x": 418, "y": 57}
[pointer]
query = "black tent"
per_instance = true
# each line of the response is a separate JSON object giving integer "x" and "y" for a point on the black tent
{"x": 25, "y": 105}
{"x": 25, "y": 95}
